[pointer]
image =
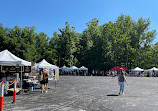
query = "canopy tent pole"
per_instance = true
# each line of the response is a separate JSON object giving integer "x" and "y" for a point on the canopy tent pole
{"x": 55, "y": 83}
{"x": 21, "y": 81}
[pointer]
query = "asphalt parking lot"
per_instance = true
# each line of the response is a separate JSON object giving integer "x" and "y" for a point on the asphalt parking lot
{"x": 89, "y": 93}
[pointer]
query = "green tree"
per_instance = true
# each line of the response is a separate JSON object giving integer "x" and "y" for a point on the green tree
{"x": 42, "y": 44}
{"x": 67, "y": 45}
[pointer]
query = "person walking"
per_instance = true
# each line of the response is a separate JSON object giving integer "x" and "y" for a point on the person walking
{"x": 41, "y": 80}
{"x": 154, "y": 75}
{"x": 122, "y": 80}
{"x": 45, "y": 74}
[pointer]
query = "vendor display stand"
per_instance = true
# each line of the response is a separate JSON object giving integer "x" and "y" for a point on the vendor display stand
{"x": 44, "y": 64}
{"x": 11, "y": 62}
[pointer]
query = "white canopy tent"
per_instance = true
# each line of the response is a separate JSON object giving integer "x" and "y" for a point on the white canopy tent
{"x": 73, "y": 68}
{"x": 68, "y": 70}
{"x": 64, "y": 68}
{"x": 153, "y": 69}
{"x": 152, "y": 72}
{"x": 83, "y": 68}
{"x": 7, "y": 59}
{"x": 45, "y": 64}
{"x": 137, "y": 69}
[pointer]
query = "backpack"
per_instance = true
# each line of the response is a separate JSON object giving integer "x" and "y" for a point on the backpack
{"x": 121, "y": 78}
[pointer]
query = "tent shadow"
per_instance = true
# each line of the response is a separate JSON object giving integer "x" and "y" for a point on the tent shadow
{"x": 112, "y": 95}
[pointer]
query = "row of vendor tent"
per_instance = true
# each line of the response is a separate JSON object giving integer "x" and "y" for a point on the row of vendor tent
{"x": 64, "y": 68}
{"x": 153, "y": 72}
{"x": 138, "y": 72}
{"x": 12, "y": 65}
{"x": 9, "y": 59}
{"x": 139, "y": 69}
{"x": 82, "y": 71}
{"x": 120, "y": 68}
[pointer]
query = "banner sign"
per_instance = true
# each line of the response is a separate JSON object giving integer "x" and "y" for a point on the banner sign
{"x": 16, "y": 69}
{"x": 27, "y": 69}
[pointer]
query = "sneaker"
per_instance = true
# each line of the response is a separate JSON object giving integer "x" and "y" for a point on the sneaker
{"x": 123, "y": 93}
{"x": 42, "y": 91}
{"x": 46, "y": 91}
{"x": 120, "y": 93}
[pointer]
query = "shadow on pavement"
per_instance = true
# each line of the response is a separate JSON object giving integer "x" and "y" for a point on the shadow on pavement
{"x": 112, "y": 95}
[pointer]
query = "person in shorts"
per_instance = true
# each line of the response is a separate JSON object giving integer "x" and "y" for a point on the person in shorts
{"x": 46, "y": 82}
{"x": 122, "y": 80}
{"x": 41, "y": 79}
{"x": 45, "y": 74}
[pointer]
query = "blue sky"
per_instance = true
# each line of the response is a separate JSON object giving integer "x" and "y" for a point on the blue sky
{"x": 49, "y": 15}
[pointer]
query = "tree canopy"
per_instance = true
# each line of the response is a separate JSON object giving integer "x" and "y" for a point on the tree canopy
{"x": 124, "y": 42}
